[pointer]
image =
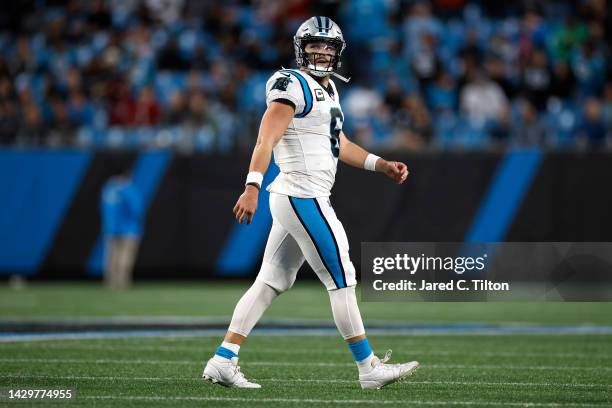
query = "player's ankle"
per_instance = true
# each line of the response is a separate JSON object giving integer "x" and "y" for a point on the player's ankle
{"x": 362, "y": 353}
{"x": 220, "y": 359}
{"x": 226, "y": 351}
{"x": 365, "y": 366}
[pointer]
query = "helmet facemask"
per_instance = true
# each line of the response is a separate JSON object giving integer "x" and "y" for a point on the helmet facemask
{"x": 309, "y": 59}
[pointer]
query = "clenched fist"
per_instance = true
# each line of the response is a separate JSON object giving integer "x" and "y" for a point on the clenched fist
{"x": 396, "y": 171}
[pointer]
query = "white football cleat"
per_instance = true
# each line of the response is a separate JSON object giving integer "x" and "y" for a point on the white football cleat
{"x": 227, "y": 374}
{"x": 384, "y": 374}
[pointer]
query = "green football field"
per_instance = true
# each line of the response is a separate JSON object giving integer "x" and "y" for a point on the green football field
{"x": 559, "y": 355}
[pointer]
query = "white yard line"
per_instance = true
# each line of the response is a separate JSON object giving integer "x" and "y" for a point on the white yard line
{"x": 292, "y": 363}
{"x": 436, "y": 366}
{"x": 337, "y": 401}
{"x": 305, "y": 380}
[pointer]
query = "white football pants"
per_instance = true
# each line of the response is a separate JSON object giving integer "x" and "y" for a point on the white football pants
{"x": 306, "y": 228}
{"x": 303, "y": 229}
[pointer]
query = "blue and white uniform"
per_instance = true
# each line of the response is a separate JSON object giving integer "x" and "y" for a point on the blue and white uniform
{"x": 305, "y": 226}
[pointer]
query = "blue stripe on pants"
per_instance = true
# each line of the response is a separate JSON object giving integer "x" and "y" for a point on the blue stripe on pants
{"x": 310, "y": 215}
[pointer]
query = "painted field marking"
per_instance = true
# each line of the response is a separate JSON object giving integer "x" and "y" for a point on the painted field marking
{"x": 344, "y": 402}
{"x": 306, "y": 380}
{"x": 290, "y": 363}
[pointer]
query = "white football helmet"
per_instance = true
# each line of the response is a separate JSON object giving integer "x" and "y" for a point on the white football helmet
{"x": 317, "y": 29}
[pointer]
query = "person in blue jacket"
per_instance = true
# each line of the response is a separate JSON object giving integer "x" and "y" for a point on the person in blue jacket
{"x": 122, "y": 225}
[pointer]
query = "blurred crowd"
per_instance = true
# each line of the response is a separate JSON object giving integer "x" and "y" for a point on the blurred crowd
{"x": 191, "y": 74}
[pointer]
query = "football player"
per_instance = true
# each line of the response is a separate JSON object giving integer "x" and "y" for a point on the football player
{"x": 303, "y": 127}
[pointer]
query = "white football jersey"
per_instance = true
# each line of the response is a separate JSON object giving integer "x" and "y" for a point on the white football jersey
{"x": 307, "y": 154}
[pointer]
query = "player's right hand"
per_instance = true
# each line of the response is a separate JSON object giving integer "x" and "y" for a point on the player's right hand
{"x": 246, "y": 205}
{"x": 397, "y": 171}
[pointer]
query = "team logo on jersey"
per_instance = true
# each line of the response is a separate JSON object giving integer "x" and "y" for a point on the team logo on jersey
{"x": 319, "y": 94}
{"x": 282, "y": 83}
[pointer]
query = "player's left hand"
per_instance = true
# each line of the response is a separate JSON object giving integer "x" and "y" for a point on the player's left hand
{"x": 396, "y": 171}
{"x": 246, "y": 205}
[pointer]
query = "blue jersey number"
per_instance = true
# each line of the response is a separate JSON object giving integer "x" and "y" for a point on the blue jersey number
{"x": 335, "y": 127}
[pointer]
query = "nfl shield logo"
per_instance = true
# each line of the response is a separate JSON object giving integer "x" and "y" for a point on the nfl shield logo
{"x": 319, "y": 94}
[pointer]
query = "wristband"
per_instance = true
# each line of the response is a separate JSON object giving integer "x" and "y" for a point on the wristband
{"x": 254, "y": 178}
{"x": 370, "y": 162}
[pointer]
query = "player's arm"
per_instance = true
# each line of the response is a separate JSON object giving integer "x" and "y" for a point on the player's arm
{"x": 356, "y": 156}
{"x": 273, "y": 125}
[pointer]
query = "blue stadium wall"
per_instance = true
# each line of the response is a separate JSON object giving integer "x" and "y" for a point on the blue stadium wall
{"x": 50, "y": 224}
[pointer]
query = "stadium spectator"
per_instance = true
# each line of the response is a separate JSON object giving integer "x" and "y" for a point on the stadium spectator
{"x": 421, "y": 28}
{"x": 76, "y": 65}
{"x": 533, "y": 31}
{"x": 536, "y": 79}
{"x": 442, "y": 94}
{"x": 171, "y": 58}
{"x": 484, "y": 103}
{"x": 361, "y": 104}
{"x": 9, "y": 112}
{"x": 80, "y": 109}
{"x": 122, "y": 104}
{"x": 146, "y": 109}
{"x": 394, "y": 95}
{"x": 62, "y": 130}
{"x": 589, "y": 65}
{"x": 425, "y": 62}
{"x": 568, "y": 37}
{"x": 413, "y": 124}
{"x": 31, "y": 131}
{"x": 593, "y": 128}
{"x": 607, "y": 108}
{"x": 497, "y": 71}
{"x": 197, "y": 112}
{"x": 176, "y": 113}
{"x": 529, "y": 129}
{"x": 563, "y": 81}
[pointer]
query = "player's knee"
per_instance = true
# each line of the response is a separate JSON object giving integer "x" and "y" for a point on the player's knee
{"x": 344, "y": 292}
{"x": 334, "y": 288}
{"x": 349, "y": 273}
{"x": 280, "y": 279}
{"x": 278, "y": 286}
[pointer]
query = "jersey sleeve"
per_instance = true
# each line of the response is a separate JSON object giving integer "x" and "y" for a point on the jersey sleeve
{"x": 284, "y": 85}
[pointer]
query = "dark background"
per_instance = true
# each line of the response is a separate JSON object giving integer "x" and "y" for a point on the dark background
{"x": 189, "y": 219}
